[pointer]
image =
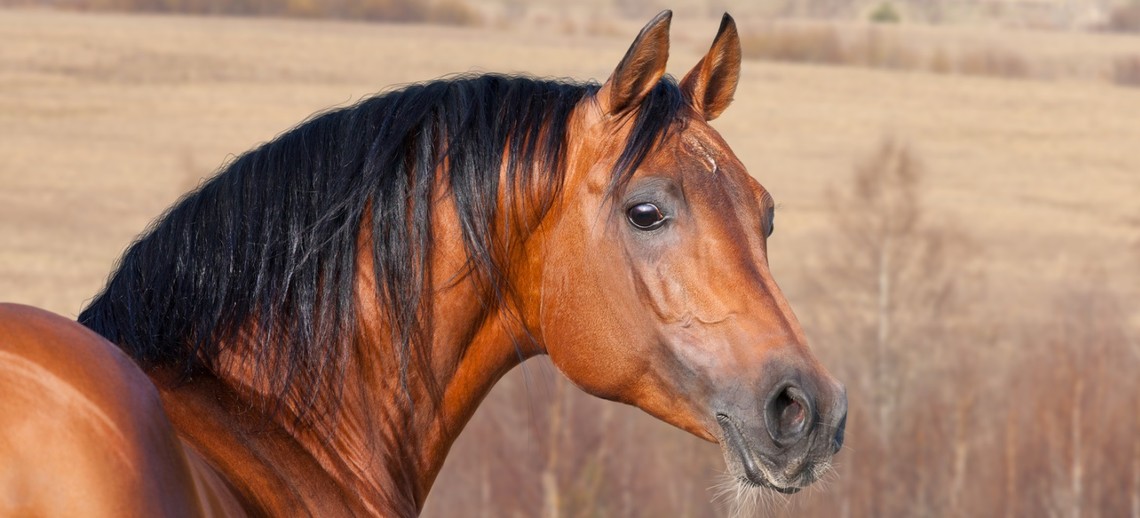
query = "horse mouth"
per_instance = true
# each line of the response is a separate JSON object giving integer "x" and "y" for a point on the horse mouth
{"x": 753, "y": 474}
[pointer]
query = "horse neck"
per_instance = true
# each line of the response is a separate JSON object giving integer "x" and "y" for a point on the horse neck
{"x": 388, "y": 437}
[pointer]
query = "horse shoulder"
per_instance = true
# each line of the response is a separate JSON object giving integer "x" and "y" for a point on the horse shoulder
{"x": 83, "y": 431}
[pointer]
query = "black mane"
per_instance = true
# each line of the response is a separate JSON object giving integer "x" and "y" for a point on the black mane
{"x": 264, "y": 254}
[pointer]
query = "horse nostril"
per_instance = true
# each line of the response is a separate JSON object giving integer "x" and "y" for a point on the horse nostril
{"x": 841, "y": 418}
{"x": 837, "y": 441}
{"x": 788, "y": 415}
{"x": 790, "y": 411}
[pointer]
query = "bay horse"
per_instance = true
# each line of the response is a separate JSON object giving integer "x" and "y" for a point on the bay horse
{"x": 309, "y": 330}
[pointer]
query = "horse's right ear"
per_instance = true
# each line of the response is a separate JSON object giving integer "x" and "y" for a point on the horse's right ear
{"x": 641, "y": 68}
{"x": 710, "y": 85}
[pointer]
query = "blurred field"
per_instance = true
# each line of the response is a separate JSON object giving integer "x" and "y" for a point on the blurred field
{"x": 105, "y": 120}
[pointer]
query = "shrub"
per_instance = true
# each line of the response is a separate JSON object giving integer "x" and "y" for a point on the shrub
{"x": 454, "y": 12}
{"x": 993, "y": 63}
{"x": 1126, "y": 71}
{"x": 388, "y": 10}
{"x": 885, "y": 13}
{"x": 940, "y": 62}
{"x": 446, "y": 12}
{"x": 877, "y": 49}
{"x": 796, "y": 44}
{"x": 883, "y": 48}
{"x": 1125, "y": 18}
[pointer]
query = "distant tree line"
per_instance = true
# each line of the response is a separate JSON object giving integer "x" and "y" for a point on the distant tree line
{"x": 446, "y": 12}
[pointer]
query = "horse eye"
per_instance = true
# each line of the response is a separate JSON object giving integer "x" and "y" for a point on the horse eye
{"x": 645, "y": 216}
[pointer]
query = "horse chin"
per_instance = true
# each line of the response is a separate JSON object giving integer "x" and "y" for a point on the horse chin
{"x": 745, "y": 464}
{"x": 761, "y": 482}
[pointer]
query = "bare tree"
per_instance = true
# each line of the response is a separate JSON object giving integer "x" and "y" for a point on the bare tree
{"x": 890, "y": 294}
{"x": 1081, "y": 397}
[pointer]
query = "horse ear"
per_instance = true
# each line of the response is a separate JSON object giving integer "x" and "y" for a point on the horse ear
{"x": 709, "y": 86}
{"x": 641, "y": 68}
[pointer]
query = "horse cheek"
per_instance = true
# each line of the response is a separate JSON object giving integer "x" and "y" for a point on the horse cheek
{"x": 588, "y": 328}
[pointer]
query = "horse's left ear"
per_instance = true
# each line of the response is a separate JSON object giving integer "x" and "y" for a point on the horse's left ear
{"x": 709, "y": 86}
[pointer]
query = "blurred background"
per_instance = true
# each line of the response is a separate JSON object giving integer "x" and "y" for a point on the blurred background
{"x": 958, "y": 185}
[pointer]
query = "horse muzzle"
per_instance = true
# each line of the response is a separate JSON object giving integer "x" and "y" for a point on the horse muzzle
{"x": 787, "y": 444}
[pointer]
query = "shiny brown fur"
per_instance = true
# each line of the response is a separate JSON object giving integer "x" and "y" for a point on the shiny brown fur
{"x": 683, "y": 321}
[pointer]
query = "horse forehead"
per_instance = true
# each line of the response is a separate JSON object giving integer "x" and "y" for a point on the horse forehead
{"x": 699, "y": 143}
{"x": 695, "y": 147}
{"x": 698, "y": 152}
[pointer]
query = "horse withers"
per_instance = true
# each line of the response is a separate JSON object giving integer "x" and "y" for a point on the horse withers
{"x": 310, "y": 330}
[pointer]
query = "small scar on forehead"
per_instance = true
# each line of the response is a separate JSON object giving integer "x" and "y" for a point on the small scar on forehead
{"x": 699, "y": 148}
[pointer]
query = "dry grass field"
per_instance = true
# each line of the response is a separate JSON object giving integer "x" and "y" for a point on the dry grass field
{"x": 105, "y": 120}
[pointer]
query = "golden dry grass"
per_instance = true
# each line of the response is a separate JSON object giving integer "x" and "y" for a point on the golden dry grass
{"x": 106, "y": 119}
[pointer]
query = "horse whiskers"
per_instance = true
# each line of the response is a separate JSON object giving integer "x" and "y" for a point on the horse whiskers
{"x": 819, "y": 472}
{"x": 825, "y": 476}
{"x": 742, "y": 499}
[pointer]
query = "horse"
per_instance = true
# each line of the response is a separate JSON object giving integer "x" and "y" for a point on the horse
{"x": 309, "y": 330}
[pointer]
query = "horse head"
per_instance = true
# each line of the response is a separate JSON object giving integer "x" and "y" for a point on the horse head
{"x": 653, "y": 288}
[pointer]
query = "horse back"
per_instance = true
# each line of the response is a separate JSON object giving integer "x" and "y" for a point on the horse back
{"x": 83, "y": 431}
